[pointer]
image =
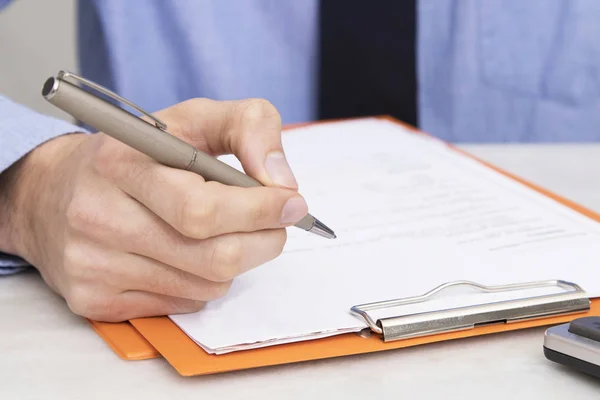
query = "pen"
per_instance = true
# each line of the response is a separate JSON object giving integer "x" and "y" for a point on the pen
{"x": 150, "y": 139}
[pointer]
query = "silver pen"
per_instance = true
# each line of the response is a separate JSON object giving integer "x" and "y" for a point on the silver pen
{"x": 150, "y": 139}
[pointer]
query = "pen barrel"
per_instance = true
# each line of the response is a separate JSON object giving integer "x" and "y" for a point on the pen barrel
{"x": 212, "y": 169}
{"x": 145, "y": 137}
{"x": 119, "y": 124}
{"x": 141, "y": 135}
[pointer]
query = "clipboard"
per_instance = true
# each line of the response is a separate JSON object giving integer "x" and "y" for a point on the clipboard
{"x": 147, "y": 338}
{"x": 124, "y": 340}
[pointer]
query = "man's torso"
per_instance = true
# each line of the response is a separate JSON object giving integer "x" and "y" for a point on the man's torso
{"x": 493, "y": 71}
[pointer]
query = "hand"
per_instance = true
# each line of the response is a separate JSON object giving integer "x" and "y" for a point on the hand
{"x": 120, "y": 236}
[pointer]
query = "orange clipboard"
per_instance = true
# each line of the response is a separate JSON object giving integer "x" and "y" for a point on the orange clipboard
{"x": 125, "y": 340}
{"x": 146, "y": 338}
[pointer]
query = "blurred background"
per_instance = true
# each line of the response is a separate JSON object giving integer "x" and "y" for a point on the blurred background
{"x": 494, "y": 71}
{"x": 46, "y": 43}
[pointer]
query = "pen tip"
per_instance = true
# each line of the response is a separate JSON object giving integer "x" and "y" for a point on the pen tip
{"x": 321, "y": 229}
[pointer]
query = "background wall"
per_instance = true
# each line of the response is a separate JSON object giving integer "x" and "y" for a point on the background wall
{"x": 37, "y": 38}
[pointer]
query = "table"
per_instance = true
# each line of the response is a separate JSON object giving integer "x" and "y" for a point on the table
{"x": 46, "y": 352}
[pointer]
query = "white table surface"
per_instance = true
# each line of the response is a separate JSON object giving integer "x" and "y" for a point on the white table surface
{"x": 48, "y": 353}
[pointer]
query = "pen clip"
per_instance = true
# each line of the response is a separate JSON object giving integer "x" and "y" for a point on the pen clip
{"x": 66, "y": 74}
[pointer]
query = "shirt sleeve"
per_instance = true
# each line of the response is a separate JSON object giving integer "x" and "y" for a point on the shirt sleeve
{"x": 22, "y": 130}
{"x": 4, "y": 3}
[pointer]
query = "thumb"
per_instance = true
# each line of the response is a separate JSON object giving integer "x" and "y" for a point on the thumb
{"x": 250, "y": 129}
{"x": 255, "y": 140}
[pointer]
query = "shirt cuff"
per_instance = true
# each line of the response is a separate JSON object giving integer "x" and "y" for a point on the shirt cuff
{"x": 10, "y": 264}
{"x": 22, "y": 130}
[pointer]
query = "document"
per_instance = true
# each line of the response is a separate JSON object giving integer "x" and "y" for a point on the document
{"x": 410, "y": 214}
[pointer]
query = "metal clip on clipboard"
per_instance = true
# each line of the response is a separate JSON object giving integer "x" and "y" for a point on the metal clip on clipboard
{"x": 574, "y": 300}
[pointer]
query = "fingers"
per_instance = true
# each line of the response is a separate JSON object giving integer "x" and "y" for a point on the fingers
{"x": 250, "y": 129}
{"x": 104, "y": 279}
{"x": 138, "y": 273}
{"x": 113, "y": 286}
{"x": 103, "y": 307}
{"x": 199, "y": 209}
{"x": 138, "y": 304}
{"x": 128, "y": 227}
{"x": 219, "y": 259}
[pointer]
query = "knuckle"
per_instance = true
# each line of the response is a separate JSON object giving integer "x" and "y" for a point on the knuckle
{"x": 111, "y": 309}
{"x": 259, "y": 109}
{"x": 84, "y": 301}
{"x": 78, "y": 214}
{"x": 260, "y": 211}
{"x": 74, "y": 261}
{"x": 226, "y": 259}
{"x": 103, "y": 158}
{"x": 181, "y": 114}
{"x": 195, "y": 103}
{"x": 79, "y": 301}
{"x": 84, "y": 214}
{"x": 197, "y": 219}
{"x": 84, "y": 263}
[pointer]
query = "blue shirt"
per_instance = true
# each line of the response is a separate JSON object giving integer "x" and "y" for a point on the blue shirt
{"x": 158, "y": 53}
{"x": 488, "y": 71}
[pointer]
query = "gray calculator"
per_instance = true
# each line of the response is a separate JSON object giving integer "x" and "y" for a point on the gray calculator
{"x": 576, "y": 345}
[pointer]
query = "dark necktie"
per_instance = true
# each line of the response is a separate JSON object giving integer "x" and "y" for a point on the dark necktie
{"x": 367, "y": 59}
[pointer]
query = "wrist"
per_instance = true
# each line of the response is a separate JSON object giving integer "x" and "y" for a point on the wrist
{"x": 22, "y": 189}
{"x": 11, "y": 181}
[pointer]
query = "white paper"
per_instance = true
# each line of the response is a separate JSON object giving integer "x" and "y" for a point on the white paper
{"x": 410, "y": 214}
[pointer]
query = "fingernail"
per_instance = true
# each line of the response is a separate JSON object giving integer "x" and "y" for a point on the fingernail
{"x": 279, "y": 170}
{"x": 294, "y": 210}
